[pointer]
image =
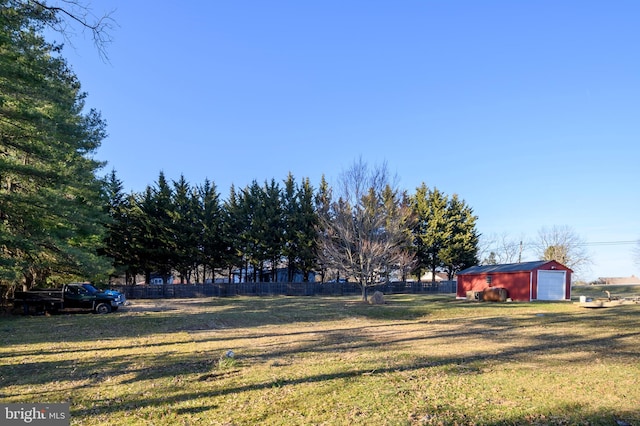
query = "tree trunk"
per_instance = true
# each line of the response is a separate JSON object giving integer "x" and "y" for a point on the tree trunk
{"x": 290, "y": 269}
{"x": 364, "y": 292}
{"x": 28, "y": 281}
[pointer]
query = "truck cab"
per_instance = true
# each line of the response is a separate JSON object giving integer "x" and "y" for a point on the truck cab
{"x": 86, "y": 296}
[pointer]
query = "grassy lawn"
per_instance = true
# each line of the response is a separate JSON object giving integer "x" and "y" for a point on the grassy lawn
{"x": 418, "y": 360}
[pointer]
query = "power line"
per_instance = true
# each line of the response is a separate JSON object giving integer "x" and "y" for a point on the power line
{"x": 610, "y": 243}
{"x": 587, "y": 243}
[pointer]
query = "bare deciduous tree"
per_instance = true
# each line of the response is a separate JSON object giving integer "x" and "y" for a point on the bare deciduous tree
{"x": 66, "y": 15}
{"x": 502, "y": 248}
{"x": 364, "y": 233}
{"x": 562, "y": 244}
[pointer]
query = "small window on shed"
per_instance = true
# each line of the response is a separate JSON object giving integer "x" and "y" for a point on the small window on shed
{"x": 489, "y": 279}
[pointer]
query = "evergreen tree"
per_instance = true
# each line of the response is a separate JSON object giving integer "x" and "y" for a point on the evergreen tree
{"x": 216, "y": 243}
{"x": 262, "y": 233}
{"x": 234, "y": 225}
{"x": 290, "y": 219}
{"x": 143, "y": 241}
{"x": 323, "y": 214}
{"x": 186, "y": 229}
{"x": 431, "y": 234}
{"x": 491, "y": 259}
{"x": 272, "y": 233}
{"x": 153, "y": 241}
{"x": 306, "y": 240}
{"x": 117, "y": 238}
{"x": 250, "y": 218}
{"x": 461, "y": 248}
{"x": 51, "y": 212}
{"x": 134, "y": 226}
{"x": 162, "y": 220}
{"x": 300, "y": 223}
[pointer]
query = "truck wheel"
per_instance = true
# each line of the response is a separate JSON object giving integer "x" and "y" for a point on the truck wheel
{"x": 103, "y": 308}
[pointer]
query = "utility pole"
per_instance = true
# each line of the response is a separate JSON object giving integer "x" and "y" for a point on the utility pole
{"x": 520, "y": 254}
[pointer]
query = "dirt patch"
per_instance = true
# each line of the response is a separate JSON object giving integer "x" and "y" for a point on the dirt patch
{"x": 164, "y": 305}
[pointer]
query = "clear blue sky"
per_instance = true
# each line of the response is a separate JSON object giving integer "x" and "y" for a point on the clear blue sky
{"x": 530, "y": 111}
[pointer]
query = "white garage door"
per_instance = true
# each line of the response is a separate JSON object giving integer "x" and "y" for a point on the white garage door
{"x": 551, "y": 285}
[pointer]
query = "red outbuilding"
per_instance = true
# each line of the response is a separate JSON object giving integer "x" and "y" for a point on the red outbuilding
{"x": 541, "y": 280}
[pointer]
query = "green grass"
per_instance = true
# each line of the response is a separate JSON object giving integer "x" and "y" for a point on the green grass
{"x": 418, "y": 360}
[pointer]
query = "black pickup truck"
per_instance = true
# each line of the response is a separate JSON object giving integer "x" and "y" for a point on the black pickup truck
{"x": 71, "y": 296}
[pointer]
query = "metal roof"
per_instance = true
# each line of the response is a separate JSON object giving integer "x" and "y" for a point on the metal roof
{"x": 508, "y": 267}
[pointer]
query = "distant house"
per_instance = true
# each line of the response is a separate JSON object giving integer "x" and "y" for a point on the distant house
{"x": 427, "y": 277}
{"x": 619, "y": 280}
{"x": 160, "y": 280}
{"x": 266, "y": 275}
{"x": 540, "y": 280}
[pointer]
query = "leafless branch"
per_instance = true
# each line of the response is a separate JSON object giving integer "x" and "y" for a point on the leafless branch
{"x": 505, "y": 248}
{"x": 562, "y": 244}
{"x": 364, "y": 233}
{"x": 75, "y": 12}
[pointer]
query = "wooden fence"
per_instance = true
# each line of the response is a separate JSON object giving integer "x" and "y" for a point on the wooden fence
{"x": 276, "y": 289}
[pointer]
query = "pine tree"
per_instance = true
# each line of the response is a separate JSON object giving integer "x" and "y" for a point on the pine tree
{"x": 143, "y": 241}
{"x": 272, "y": 233}
{"x": 161, "y": 223}
{"x": 234, "y": 225}
{"x": 185, "y": 228}
{"x": 251, "y": 219}
{"x": 153, "y": 240}
{"x": 215, "y": 242}
{"x": 430, "y": 206}
{"x": 51, "y": 213}
{"x": 306, "y": 230}
{"x": 300, "y": 227}
{"x": 461, "y": 248}
{"x": 117, "y": 237}
{"x": 323, "y": 214}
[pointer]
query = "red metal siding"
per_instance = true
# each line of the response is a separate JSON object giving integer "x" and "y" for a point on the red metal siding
{"x": 552, "y": 266}
{"x": 469, "y": 283}
{"x": 517, "y": 284}
{"x": 521, "y": 286}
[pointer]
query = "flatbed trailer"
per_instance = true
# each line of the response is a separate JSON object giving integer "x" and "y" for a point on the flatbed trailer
{"x": 39, "y": 300}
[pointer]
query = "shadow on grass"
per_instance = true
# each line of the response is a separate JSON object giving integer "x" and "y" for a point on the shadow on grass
{"x": 563, "y": 413}
{"x": 175, "y": 316}
{"x": 548, "y": 331}
{"x": 541, "y": 338}
{"x": 63, "y": 330}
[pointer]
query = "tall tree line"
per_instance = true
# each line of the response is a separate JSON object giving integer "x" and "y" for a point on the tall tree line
{"x": 369, "y": 235}
{"x": 190, "y": 230}
{"x": 445, "y": 234}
